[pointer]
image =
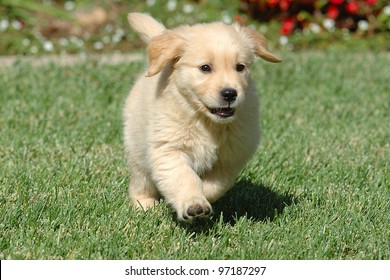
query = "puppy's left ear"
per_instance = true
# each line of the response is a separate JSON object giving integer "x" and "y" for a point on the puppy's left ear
{"x": 162, "y": 50}
{"x": 260, "y": 45}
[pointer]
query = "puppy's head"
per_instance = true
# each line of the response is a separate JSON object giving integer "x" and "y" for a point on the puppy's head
{"x": 210, "y": 64}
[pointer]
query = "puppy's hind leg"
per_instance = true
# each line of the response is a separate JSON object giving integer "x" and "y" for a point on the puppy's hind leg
{"x": 143, "y": 193}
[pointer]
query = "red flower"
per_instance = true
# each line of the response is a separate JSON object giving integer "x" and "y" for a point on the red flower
{"x": 284, "y": 4}
{"x": 352, "y": 7}
{"x": 272, "y": 3}
{"x": 288, "y": 26}
{"x": 239, "y": 19}
{"x": 332, "y": 12}
{"x": 371, "y": 2}
{"x": 336, "y": 2}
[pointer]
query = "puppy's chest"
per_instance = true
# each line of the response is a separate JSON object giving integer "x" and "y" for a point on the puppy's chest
{"x": 202, "y": 150}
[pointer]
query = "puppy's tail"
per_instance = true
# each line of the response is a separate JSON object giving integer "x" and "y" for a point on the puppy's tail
{"x": 146, "y": 26}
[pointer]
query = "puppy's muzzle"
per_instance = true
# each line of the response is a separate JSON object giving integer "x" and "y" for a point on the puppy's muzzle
{"x": 223, "y": 112}
{"x": 229, "y": 94}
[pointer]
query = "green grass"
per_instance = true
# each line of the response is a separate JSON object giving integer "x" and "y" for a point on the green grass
{"x": 318, "y": 187}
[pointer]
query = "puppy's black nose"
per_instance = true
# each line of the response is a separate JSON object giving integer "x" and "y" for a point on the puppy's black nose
{"x": 229, "y": 94}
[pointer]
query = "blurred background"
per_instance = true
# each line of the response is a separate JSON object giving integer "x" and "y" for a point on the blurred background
{"x": 72, "y": 27}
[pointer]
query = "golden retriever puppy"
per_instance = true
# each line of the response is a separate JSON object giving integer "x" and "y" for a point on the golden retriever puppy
{"x": 191, "y": 122}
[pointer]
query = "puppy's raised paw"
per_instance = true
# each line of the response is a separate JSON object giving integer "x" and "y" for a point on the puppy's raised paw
{"x": 193, "y": 209}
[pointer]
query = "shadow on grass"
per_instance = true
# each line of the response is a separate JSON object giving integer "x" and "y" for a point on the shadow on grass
{"x": 256, "y": 202}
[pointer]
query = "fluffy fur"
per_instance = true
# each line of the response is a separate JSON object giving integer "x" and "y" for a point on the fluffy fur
{"x": 191, "y": 122}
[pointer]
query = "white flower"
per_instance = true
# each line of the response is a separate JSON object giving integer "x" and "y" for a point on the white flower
{"x": 34, "y": 49}
{"x": 48, "y": 46}
{"x": 98, "y": 45}
{"x": 120, "y": 32}
{"x": 4, "y": 24}
{"x": 26, "y": 42}
{"x": 17, "y": 25}
{"x": 109, "y": 28}
{"x": 386, "y": 10}
{"x": 226, "y": 18}
{"x": 188, "y": 8}
{"x": 315, "y": 28}
{"x": 78, "y": 42}
{"x": 63, "y": 41}
{"x": 363, "y": 25}
{"x": 118, "y": 35}
{"x": 283, "y": 40}
{"x": 38, "y": 36}
{"x": 329, "y": 24}
{"x": 69, "y": 5}
{"x": 171, "y": 5}
{"x": 116, "y": 38}
{"x": 150, "y": 2}
{"x": 106, "y": 40}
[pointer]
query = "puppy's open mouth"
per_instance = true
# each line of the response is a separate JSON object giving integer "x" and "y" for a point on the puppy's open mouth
{"x": 222, "y": 112}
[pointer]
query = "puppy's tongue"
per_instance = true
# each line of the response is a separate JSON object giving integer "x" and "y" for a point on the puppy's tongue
{"x": 223, "y": 112}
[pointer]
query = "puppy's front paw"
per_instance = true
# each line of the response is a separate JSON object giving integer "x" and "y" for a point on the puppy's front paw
{"x": 194, "y": 208}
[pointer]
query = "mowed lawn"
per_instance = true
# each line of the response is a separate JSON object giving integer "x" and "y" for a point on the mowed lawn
{"x": 317, "y": 188}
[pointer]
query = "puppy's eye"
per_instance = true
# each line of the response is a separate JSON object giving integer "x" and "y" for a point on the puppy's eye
{"x": 205, "y": 68}
{"x": 240, "y": 67}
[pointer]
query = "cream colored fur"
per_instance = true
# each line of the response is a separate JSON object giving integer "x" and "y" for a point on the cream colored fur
{"x": 176, "y": 145}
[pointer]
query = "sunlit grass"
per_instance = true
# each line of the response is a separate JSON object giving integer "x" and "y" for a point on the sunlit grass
{"x": 317, "y": 188}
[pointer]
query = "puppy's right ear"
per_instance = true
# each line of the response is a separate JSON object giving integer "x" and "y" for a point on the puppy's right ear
{"x": 146, "y": 26}
{"x": 162, "y": 50}
{"x": 260, "y": 45}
